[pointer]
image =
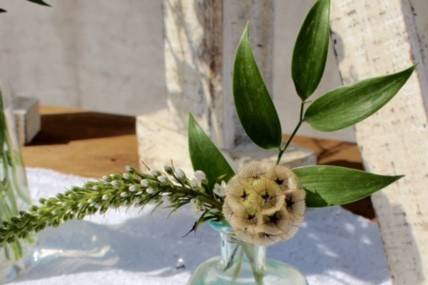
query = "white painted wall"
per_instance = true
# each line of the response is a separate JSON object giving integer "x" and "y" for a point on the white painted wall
{"x": 108, "y": 57}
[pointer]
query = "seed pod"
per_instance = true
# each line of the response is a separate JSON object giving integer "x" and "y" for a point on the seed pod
{"x": 284, "y": 177}
{"x": 271, "y": 197}
{"x": 253, "y": 170}
{"x": 241, "y": 194}
{"x": 264, "y": 204}
{"x": 247, "y": 219}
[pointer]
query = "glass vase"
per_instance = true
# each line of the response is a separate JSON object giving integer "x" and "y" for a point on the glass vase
{"x": 14, "y": 193}
{"x": 241, "y": 263}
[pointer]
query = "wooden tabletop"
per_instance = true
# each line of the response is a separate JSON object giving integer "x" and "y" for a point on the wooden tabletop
{"x": 94, "y": 144}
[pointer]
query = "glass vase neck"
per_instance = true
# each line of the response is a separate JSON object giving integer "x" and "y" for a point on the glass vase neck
{"x": 234, "y": 251}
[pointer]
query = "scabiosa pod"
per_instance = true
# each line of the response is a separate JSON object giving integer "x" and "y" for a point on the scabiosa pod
{"x": 264, "y": 204}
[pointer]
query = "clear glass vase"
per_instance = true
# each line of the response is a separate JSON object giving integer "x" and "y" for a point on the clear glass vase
{"x": 14, "y": 193}
{"x": 242, "y": 263}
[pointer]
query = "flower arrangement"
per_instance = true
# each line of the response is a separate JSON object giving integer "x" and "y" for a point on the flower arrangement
{"x": 262, "y": 203}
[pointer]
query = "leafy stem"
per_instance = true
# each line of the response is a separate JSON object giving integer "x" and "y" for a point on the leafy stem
{"x": 131, "y": 188}
{"x": 301, "y": 120}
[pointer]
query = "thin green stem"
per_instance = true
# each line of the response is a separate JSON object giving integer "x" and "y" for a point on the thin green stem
{"x": 258, "y": 273}
{"x": 238, "y": 268}
{"x": 283, "y": 149}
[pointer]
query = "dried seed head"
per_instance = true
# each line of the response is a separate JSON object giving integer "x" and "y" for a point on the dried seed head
{"x": 241, "y": 194}
{"x": 253, "y": 170}
{"x": 264, "y": 204}
{"x": 271, "y": 195}
{"x": 284, "y": 177}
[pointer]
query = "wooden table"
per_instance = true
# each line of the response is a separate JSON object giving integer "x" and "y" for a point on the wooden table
{"x": 94, "y": 144}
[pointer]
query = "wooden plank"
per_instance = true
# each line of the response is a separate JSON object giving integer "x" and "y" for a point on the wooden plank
{"x": 374, "y": 37}
{"x": 200, "y": 38}
{"x": 82, "y": 142}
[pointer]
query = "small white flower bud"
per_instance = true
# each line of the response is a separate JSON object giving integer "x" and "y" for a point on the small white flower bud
{"x": 180, "y": 173}
{"x": 132, "y": 188}
{"x": 144, "y": 183}
{"x": 128, "y": 168}
{"x": 200, "y": 175}
{"x": 115, "y": 184}
{"x": 162, "y": 179}
{"x": 150, "y": 190}
{"x": 139, "y": 193}
{"x": 95, "y": 188}
{"x": 112, "y": 176}
{"x": 219, "y": 189}
{"x": 195, "y": 183}
{"x": 165, "y": 194}
{"x": 126, "y": 176}
{"x": 123, "y": 194}
{"x": 105, "y": 197}
{"x": 105, "y": 178}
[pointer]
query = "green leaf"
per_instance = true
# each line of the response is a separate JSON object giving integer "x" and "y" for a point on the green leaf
{"x": 206, "y": 156}
{"x": 332, "y": 185}
{"x": 348, "y": 105}
{"x": 255, "y": 108}
{"x": 311, "y": 49}
{"x": 40, "y": 2}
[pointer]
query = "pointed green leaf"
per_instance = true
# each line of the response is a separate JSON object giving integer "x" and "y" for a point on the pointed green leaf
{"x": 255, "y": 108}
{"x": 40, "y": 2}
{"x": 206, "y": 156}
{"x": 348, "y": 105}
{"x": 332, "y": 185}
{"x": 311, "y": 49}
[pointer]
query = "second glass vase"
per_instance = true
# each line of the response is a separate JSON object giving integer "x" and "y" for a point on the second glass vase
{"x": 14, "y": 193}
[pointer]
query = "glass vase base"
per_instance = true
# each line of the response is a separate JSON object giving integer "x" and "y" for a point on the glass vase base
{"x": 275, "y": 273}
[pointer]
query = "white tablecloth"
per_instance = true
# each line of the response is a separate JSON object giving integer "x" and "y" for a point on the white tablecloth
{"x": 131, "y": 246}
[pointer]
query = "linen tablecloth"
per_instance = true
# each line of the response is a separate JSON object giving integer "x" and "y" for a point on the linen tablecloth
{"x": 134, "y": 246}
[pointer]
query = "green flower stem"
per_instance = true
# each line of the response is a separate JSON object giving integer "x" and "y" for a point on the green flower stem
{"x": 131, "y": 188}
{"x": 258, "y": 273}
{"x": 237, "y": 270}
{"x": 299, "y": 124}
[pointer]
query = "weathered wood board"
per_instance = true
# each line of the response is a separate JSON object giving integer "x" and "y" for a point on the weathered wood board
{"x": 200, "y": 38}
{"x": 374, "y": 37}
